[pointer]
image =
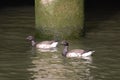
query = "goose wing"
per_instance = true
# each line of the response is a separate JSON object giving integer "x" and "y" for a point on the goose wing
{"x": 75, "y": 53}
{"x": 46, "y": 42}
{"x": 80, "y": 51}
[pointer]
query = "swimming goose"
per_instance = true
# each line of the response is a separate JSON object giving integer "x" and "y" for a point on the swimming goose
{"x": 78, "y": 53}
{"x": 43, "y": 44}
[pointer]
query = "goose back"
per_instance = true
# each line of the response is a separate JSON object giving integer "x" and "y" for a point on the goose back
{"x": 46, "y": 44}
{"x": 75, "y": 53}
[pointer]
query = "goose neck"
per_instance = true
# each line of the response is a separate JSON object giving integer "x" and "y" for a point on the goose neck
{"x": 65, "y": 50}
{"x": 33, "y": 42}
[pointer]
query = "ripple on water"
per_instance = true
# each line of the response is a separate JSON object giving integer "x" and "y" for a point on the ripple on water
{"x": 19, "y": 61}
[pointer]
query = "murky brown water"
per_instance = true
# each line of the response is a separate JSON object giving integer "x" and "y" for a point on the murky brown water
{"x": 19, "y": 61}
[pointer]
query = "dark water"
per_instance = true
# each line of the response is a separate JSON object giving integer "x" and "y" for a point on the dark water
{"x": 19, "y": 61}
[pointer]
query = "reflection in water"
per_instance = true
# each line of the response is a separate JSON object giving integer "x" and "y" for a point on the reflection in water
{"x": 47, "y": 50}
{"x": 52, "y": 66}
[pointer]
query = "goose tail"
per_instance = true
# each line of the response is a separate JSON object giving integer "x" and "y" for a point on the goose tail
{"x": 88, "y": 53}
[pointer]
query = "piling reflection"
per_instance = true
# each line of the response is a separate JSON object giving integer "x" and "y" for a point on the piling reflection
{"x": 53, "y": 66}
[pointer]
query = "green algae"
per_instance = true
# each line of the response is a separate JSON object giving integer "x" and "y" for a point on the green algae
{"x": 59, "y": 18}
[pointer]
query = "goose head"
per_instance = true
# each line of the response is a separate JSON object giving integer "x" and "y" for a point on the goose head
{"x": 65, "y": 43}
{"x": 31, "y": 38}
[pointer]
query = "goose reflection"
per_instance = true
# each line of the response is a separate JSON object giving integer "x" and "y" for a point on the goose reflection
{"x": 47, "y": 50}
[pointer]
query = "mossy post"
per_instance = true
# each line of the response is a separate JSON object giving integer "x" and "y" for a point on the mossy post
{"x": 63, "y": 19}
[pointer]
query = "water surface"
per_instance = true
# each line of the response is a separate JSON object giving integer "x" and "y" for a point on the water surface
{"x": 19, "y": 61}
